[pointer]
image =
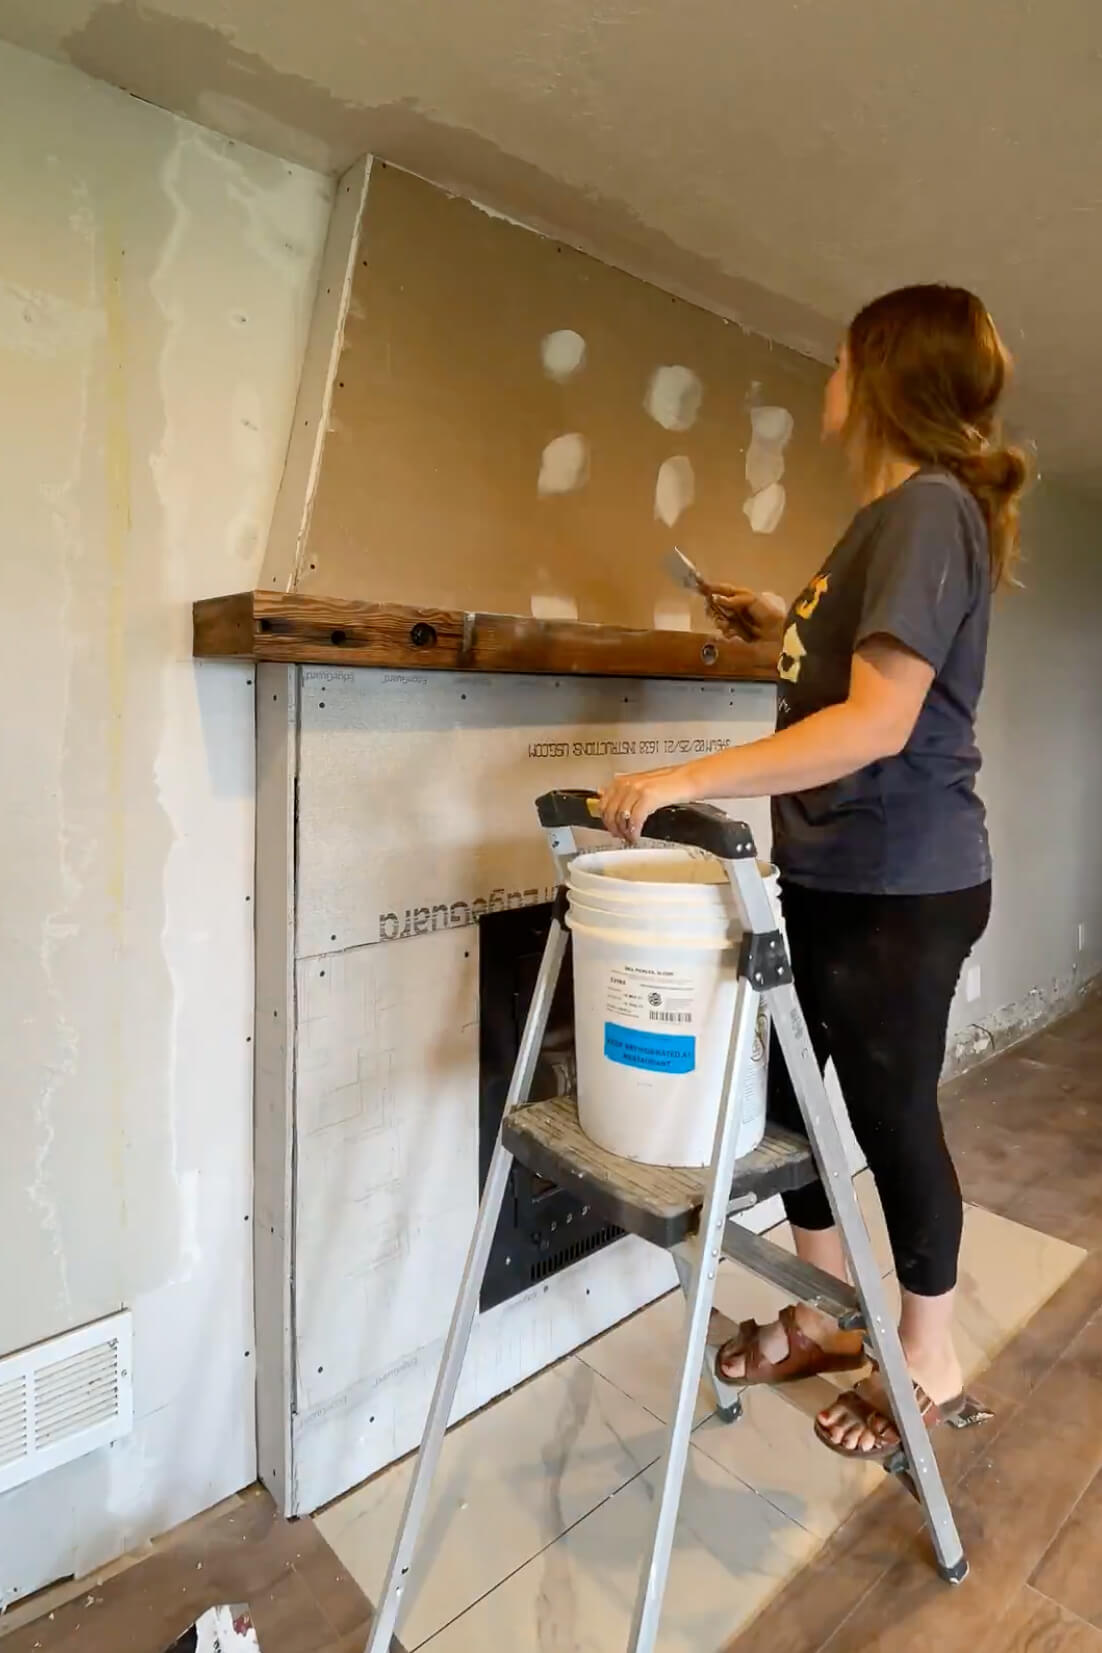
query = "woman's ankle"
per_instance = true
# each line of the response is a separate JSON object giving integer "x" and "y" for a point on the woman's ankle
{"x": 937, "y": 1365}
{"x": 823, "y": 1328}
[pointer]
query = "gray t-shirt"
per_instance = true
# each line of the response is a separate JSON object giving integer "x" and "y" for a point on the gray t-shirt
{"x": 913, "y": 565}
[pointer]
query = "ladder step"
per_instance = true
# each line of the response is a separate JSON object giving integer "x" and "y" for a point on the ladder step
{"x": 800, "y": 1280}
{"x": 661, "y": 1204}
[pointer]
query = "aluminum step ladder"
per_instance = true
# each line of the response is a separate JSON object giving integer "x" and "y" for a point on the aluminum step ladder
{"x": 690, "y": 1213}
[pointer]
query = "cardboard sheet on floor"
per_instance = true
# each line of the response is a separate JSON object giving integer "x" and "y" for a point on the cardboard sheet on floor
{"x": 219, "y": 1630}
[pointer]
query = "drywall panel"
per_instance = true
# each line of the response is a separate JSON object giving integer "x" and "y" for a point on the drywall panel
{"x": 513, "y": 422}
{"x": 155, "y": 291}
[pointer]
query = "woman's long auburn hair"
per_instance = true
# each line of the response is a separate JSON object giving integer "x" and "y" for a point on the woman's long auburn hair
{"x": 927, "y": 370}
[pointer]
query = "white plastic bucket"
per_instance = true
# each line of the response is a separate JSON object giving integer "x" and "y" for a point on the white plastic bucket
{"x": 656, "y": 940}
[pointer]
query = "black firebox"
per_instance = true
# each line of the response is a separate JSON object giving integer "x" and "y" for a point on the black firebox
{"x": 542, "y": 1230}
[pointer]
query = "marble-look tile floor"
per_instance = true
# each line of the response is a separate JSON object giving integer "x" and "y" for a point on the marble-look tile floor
{"x": 542, "y": 1505}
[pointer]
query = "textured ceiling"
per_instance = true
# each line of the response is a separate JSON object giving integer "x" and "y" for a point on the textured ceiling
{"x": 782, "y": 160}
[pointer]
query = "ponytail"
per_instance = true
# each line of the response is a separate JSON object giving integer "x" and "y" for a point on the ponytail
{"x": 996, "y": 478}
{"x": 927, "y": 372}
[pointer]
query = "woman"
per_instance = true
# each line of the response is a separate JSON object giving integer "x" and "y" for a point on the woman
{"x": 878, "y": 834}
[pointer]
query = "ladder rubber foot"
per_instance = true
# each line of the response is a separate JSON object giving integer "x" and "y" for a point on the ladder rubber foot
{"x": 956, "y": 1574}
{"x": 729, "y": 1414}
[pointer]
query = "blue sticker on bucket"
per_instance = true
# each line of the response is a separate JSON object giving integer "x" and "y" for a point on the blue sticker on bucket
{"x": 652, "y": 1052}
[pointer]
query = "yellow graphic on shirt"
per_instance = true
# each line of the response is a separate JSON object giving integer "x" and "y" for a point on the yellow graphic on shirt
{"x": 791, "y": 657}
{"x": 809, "y": 600}
{"x": 792, "y": 648}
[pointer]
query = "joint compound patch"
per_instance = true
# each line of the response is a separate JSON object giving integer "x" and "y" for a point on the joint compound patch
{"x": 564, "y": 464}
{"x": 563, "y": 354}
{"x": 675, "y": 488}
{"x": 770, "y": 433}
{"x": 765, "y": 510}
{"x": 544, "y": 606}
{"x": 670, "y": 615}
{"x": 673, "y": 397}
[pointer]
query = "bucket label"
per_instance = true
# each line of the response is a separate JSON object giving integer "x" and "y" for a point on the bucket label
{"x": 649, "y": 998}
{"x": 651, "y": 1052}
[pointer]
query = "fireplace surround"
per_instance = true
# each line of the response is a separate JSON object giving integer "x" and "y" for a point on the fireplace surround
{"x": 402, "y": 883}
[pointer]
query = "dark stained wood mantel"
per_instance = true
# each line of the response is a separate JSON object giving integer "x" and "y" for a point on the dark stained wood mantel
{"x": 296, "y": 629}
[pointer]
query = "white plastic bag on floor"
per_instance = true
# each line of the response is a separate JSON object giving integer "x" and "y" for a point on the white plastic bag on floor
{"x": 219, "y": 1630}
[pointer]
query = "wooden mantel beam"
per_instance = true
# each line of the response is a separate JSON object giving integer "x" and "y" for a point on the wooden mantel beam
{"x": 295, "y": 629}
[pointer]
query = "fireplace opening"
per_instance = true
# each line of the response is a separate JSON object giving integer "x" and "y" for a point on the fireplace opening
{"x": 542, "y": 1230}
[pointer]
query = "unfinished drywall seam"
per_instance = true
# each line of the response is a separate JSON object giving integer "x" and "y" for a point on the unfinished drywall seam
{"x": 286, "y": 550}
{"x": 57, "y": 924}
{"x": 118, "y": 489}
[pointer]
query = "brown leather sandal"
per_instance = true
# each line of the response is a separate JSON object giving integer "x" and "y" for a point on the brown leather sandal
{"x": 872, "y": 1416}
{"x": 805, "y": 1357}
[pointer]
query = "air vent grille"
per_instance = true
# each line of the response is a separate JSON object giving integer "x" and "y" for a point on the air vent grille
{"x": 62, "y": 1399}
{"x": 13, "y": 1421}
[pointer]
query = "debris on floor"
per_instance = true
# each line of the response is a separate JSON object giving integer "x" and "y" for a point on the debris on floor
{"x": 219, "y": 1630}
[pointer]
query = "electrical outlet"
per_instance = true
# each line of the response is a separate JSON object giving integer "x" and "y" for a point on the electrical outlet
{"x": 1082, "y": 937}
{"x": 973, "y": 984}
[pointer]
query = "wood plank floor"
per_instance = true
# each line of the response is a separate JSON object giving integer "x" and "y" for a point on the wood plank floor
{"x": 302, "y": 1599}
{"x": 1026, "y": 1132}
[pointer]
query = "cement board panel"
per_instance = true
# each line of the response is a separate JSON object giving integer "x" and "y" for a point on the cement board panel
{"x": 416, "y": 792}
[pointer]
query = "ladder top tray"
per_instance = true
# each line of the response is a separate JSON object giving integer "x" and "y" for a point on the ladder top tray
{"x": 660, "y": 1203}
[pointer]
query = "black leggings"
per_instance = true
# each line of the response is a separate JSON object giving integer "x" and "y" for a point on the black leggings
{"x": 876, "y": 976}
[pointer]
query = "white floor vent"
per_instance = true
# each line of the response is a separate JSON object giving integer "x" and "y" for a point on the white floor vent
{"x": 61, "y": 1399}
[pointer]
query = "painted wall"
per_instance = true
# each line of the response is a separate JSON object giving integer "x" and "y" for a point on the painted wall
{"x": 155, "y": 289}
{"x": 1042, "y": 781}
